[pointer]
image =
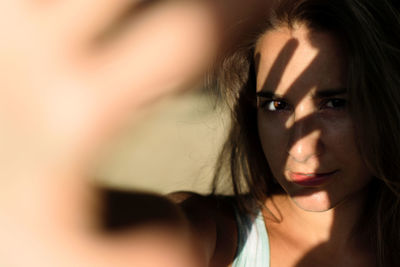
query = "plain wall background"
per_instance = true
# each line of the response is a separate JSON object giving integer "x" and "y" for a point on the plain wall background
{"x": 173, "y": 146}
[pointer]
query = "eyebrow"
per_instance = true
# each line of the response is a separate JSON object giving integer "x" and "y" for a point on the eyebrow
{"x": 330, "y": 92}
{"x": 319, "y": 94}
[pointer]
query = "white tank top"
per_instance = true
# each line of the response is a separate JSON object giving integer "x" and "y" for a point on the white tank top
{"x": 253, "y": 242}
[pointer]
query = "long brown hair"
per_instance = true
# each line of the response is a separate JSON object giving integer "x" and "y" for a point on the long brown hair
{"x": 370, "y": 30}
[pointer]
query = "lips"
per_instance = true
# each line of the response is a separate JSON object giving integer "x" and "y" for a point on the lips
{"x": 311, "y": 179}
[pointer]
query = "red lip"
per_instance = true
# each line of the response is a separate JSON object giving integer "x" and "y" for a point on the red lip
{"x": 310, "y": 179}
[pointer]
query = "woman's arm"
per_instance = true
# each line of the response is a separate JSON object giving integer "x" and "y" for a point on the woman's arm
{"x": 209, "y": 220}
{"x": 213, "y": 225}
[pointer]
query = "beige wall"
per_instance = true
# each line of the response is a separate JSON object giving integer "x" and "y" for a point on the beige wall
{"x": 173, "y": 147}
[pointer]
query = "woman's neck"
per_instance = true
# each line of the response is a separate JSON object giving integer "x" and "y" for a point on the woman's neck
{"x": 309, "y": 229}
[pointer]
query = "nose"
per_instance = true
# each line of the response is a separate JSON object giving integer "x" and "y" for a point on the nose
{"x": 305, "y": 139}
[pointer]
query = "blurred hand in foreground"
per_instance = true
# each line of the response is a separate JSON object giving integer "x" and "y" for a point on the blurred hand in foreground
{"x": 71, "y": 71}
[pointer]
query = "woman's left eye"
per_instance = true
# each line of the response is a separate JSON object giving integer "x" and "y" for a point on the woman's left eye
{"x": 335, "y": 103}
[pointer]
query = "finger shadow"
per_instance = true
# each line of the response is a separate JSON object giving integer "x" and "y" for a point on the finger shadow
{"x": 314, "y": 256}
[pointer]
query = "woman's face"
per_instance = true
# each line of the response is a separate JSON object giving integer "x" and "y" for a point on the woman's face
{"x": 305, "y": 129}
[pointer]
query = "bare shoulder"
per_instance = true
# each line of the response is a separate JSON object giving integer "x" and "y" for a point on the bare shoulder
{"x": 213, "y": 220}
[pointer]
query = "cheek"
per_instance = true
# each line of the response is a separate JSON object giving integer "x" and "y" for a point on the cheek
{"x": 273, "y": 138}
{"x": 341, "y": 148}
{"x": 342, "y": 145}
{"x": 339, "y": 140}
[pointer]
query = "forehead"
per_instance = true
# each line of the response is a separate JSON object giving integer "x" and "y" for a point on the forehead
{"x": 292, "y": 60}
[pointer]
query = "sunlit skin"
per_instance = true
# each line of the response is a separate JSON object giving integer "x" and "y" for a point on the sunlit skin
{"x": 304, "y": 124}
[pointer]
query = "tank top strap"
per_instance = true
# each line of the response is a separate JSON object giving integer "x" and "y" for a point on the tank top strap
{"x": 253, "y": 243}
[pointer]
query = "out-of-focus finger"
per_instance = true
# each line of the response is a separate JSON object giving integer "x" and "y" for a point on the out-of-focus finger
{"x": 166, "y": 48}
{"x": 83, "y": 19}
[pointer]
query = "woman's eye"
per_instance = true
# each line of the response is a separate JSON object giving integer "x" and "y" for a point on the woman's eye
{"x": 274, "y": 105}
{"x": 335, "y": 103}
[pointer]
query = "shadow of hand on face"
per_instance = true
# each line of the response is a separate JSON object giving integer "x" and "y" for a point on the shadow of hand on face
{"x": 345, "y": 209}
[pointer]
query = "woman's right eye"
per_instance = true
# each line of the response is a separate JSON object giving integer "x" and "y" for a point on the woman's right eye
{"x": 274, "y": 105}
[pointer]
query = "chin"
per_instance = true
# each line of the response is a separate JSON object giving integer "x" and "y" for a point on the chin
{"x": 313, "y": 201}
